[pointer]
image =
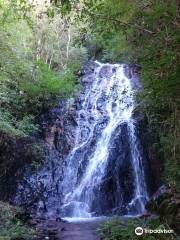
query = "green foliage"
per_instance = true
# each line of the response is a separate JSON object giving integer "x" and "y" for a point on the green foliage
{"x": 23, "y": 127}
{"x": 106, "y": 25}
{"x": 147, "y": 33}
{"x": 56, "y": 43}
{"x": 124, "y": 229}
{"x": 10, "y": 226}
{"x": 38, "y": 63}
{"x": 159, "y": 56}
{"x": 46, "y": 88}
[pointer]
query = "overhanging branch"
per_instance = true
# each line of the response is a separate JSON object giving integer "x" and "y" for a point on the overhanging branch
{"x": 122, "y": 22}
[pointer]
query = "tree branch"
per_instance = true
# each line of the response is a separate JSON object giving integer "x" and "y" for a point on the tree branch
{"x": 122, "y": 22}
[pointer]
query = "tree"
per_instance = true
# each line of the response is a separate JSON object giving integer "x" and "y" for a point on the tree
{"x": 38, "y": 63}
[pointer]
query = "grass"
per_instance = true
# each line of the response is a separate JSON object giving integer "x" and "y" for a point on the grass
{"x": 124, "y": 229}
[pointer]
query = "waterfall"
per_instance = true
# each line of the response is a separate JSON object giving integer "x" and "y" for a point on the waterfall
{"x": 106, "y": 110}
{"x": 95, "y": 163}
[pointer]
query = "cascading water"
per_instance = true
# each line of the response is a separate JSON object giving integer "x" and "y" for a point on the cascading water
{"x": 108, "y": 105}
{"x": 104, "y": 172}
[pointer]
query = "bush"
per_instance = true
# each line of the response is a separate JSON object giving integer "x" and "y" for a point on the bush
{"x": 124, "y": 229}
{"x": 46, "y": 88}
{"x": 10, "y": 125}
{"x": 11, "y": 227}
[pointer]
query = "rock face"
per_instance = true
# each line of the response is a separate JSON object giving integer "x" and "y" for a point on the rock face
{"x": 166, "y": 204}
{"x": 153, "y": 166}
{"x": 15, "y": 154}
{"x": 39, "y": 190}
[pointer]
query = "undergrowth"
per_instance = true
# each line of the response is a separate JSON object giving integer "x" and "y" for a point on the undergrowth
{"x": 11, "y": 227}
{"x": 124, "y": 229}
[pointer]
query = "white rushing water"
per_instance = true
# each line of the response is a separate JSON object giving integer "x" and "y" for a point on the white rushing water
{"x": 108, "y": 101}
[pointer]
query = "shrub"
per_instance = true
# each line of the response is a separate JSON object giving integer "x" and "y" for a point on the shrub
{"x": 124, "y": 229}
{"x": 10, "y": 226}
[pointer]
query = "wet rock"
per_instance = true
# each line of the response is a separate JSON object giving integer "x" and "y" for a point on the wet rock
{"x": 106, "y": 71}
{"x": 89, "y": 67}
{"x": 128, "y": 72}
{"x": 117, "y": 184}
{"x": 86, "y": 80}
{"x": 58, "y": 219}
{"x": 58, "y": 126}
{"x": 135, "y": 69}
{"x": 23, "y": 216}
{"x": 50, "y": 134}
{"x": 132, "y": 71}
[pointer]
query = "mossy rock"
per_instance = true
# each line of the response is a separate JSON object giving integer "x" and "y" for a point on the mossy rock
{"x": 167, "y": 207}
